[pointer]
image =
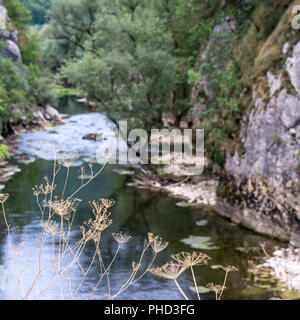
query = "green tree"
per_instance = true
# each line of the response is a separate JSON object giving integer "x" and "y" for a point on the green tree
{"x": 23, "y": 84}
{"x": 38, "y": 9}
{"x": 123, "y": 57}
{"x": 18, "y": 13}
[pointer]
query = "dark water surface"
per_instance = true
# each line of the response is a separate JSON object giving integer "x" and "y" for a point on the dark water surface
{"x": 136, "y": 212}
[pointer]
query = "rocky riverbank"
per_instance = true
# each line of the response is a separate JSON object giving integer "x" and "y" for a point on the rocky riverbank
{"x": 42, "y": 118}
{"x": 285, "y": 264}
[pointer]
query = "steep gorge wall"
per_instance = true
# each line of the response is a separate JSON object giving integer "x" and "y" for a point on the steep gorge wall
{"x": 10, "y": 36}
{"x": 261, "y": 185}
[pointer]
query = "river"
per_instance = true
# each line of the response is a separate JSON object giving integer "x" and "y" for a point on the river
{"x": 136, "y": 212}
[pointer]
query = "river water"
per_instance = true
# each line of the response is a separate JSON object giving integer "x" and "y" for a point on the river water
{"x": 137, "y": 212}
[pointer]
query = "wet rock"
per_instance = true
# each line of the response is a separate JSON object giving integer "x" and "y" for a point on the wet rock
{"x": 7, "y": 172}
{"x": 48, "y": 113}
{"x": 51, "y": 113}
{"x": 25, "y": 159}
{"x": 38, "y": 115}
{"x": 93, "y": 137}
{"x": 203, "y": 193}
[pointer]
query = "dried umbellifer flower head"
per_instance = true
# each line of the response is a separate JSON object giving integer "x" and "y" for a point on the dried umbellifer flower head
{"x": 69, "y": 160}
{"x": 96, "y": 236}
{"x": 108, "y": 203}
{"x": 97, "y": 207}
{"x": 156, "y": 243}
{"x": 3, "y": 197}
{"x": 216, "y": 287}
{"x": 64, "y": 208}
{"x": 169, "y": 271}
{"x": 99, "y": 224}
{"x": 121, "y": 238}
{"x": 43, "y": 189}
{"x": 229, "y": 268}
{"x": 191, "y": 259}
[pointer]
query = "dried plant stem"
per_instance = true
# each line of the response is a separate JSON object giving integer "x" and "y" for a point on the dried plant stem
{"x": 130, "y": 280}
{"x": 180, "y": 289}
{"x": 106, "y": 271}
{"x": 4, "y": 216}
{"x": 224, "y": 285}
{"x": 66, "y": 182}
{"x": 85, "y": 273}
{"x": 148, "y": 268}
{"x": 89, "y": 181}
{"x": 195, "y": 283}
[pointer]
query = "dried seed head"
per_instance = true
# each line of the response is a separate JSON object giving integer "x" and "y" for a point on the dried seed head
{"x": 229, "y": 268}
{"x": 96, "y": 236}
{"x": 108, "y": 203}
{"x": 191, "y": 259}
{"x": 216, "y": 287}
{"x": 69, "y": 160}
{"x": 97, "y": 207}
{"x": 3, "y": 197}
{"x": 97, "y": 225}
{"x": 64, "y": 208}
{"x": 43, "y": 189}
{"x": 121, "y": 238}
{"x": 156, "y": 243}
{"x": 169, "y": 271}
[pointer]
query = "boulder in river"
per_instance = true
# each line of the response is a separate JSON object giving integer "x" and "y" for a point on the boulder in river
{"x": 48, "y": 113}
{"x": 93, "y": 137}
{"x": 51, "y": 113}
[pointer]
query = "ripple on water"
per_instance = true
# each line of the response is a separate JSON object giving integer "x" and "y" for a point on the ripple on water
{"x": 69, "y": 138}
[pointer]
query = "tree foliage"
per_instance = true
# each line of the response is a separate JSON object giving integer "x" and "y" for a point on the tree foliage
{"x": 23, "y": 84}
{"x": 38, "y": 9}
{"x": 122, "y": 56}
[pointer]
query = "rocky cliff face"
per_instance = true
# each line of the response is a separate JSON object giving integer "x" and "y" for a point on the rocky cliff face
{"x": 268, "y": 173}
{"x": 10, "y": 37}
{"x": 261, "y": 187}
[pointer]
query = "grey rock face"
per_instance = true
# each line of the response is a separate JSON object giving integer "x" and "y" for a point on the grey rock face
{"x": 272, "y": 144}
{"x": 293, "y": 67}
{"x": 42, "y": 115}
{"x": 51, "y": 113}
{"x": 11, "y": 50}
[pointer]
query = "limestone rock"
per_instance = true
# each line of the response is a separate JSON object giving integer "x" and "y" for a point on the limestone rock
{"x": 11, "y": 49}
{"x": 51, "y": 113}
{"x": 271, "y": 138}
{"x": 293, "y": 67}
